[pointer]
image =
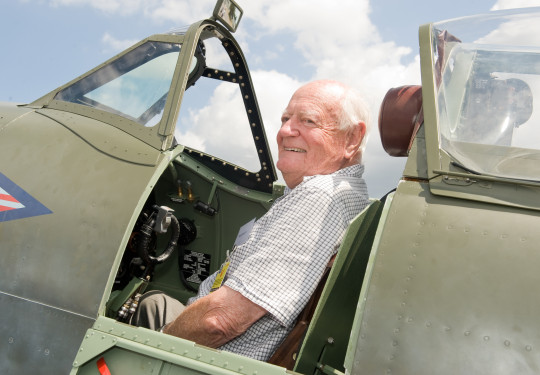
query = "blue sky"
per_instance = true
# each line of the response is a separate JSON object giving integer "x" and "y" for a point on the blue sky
{"x": 372, "y": 45}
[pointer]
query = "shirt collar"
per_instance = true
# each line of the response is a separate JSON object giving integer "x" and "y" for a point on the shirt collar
{"x": 355, "y": 170}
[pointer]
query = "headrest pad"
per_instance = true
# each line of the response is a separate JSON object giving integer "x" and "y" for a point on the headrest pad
{"x": 400, "y": 117}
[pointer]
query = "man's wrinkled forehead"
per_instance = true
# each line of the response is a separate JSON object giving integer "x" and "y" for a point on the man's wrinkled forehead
{"x": 303, "y": 109}
{"x": 311, "y": 103}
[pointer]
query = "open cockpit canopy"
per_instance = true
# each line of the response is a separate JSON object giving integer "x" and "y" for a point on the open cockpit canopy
{"x": 486, "y": 73}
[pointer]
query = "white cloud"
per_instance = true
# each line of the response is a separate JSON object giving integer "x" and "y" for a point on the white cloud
{"x": 273, "y": 101}
{"x": 335, "y": 41}
{"x": 351, "y": 52}
{"x": 513, "y": 33}
{"x": 117, "y": 44}
{"x": 224, "y": 117}
{"x": 509, "y": 4}
{"x": 108, "y": 6}
{"x": 180, "y": 11}
{"x": 159, "y": 10}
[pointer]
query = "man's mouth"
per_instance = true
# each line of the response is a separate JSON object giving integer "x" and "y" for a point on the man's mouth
{"x": 293, "y": 149}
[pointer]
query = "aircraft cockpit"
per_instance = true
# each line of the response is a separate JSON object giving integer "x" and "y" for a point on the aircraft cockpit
{"x": 159, "y": 146}
{"x": 137, "y": 176}
{"x": 212, "y": 187}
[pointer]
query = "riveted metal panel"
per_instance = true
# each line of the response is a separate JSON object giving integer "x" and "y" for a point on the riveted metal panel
{"x": 56, "y": 263}
{"x": 91, "y": 197}
{"x": 134, "y": 350}
{"x": 452, "y": 289}
{"x": 36, "y": 338}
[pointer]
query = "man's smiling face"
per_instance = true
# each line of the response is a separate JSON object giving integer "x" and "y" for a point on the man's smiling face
{"x": 309, "y": 140}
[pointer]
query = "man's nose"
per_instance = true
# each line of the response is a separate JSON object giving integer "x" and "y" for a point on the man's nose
{"x": 289, "y": 128}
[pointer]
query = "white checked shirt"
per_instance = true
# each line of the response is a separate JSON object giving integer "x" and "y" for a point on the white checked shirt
{"x": 281, "y": 263}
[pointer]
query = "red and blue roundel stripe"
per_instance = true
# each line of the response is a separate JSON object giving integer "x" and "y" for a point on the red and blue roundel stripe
{"x": 15, "y": 203}
{"x": 7, "y": 202}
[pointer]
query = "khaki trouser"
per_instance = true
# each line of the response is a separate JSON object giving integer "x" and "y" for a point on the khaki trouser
{"x": 156, "y": 310}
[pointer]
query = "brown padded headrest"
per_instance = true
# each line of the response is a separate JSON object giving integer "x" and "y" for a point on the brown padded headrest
{"x": 400, "y": 117}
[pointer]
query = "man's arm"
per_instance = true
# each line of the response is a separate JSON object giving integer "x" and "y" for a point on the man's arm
{"x": 216, "y": 318}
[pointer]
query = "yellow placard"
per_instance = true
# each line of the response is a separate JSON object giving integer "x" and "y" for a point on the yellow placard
{"x": 220, "y": 276}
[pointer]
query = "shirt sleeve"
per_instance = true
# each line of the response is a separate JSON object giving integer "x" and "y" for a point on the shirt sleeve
{"x": 204, "y": 288}
{"x": 285, "y": 257}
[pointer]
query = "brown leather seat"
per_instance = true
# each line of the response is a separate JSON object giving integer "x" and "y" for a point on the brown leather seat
{"x": 400, "y": 117}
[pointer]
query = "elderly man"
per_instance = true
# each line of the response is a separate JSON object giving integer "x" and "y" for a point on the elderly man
{"x": 252, "y": 305}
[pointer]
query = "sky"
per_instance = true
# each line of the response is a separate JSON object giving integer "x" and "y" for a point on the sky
{"x": 372, "y": 45}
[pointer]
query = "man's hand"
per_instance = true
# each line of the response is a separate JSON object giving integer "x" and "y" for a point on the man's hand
{"x": 216, "y": 318}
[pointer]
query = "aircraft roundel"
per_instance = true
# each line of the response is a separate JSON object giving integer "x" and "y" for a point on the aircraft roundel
{"x": 15, "y": 203}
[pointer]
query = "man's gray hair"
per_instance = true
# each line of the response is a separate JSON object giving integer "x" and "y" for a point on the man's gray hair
{"x": 354, "y": 110}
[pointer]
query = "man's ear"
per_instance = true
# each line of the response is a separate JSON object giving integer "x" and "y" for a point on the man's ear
{"x": 355, "y": 135}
